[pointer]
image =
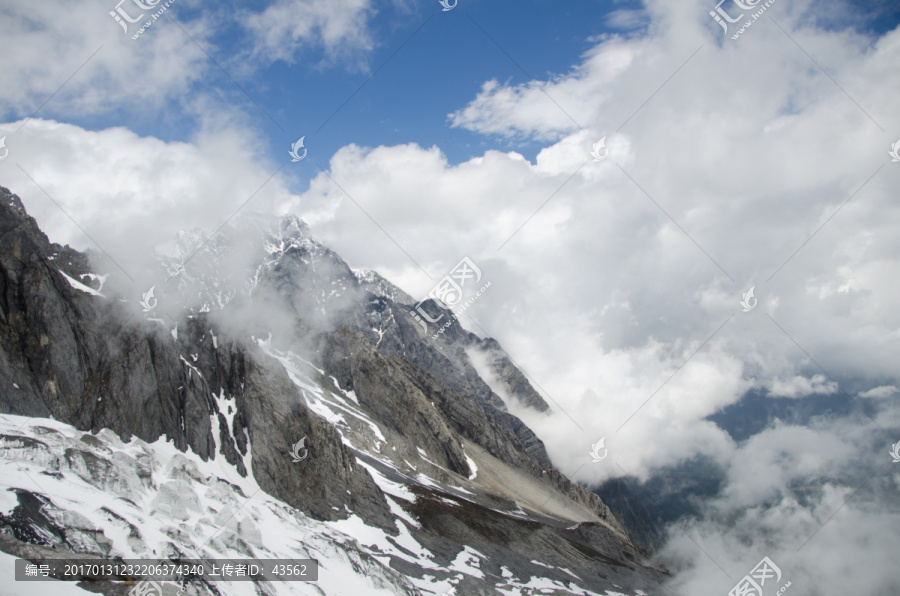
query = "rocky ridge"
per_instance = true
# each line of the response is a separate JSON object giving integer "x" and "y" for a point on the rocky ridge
{"x": 263, "y": 336}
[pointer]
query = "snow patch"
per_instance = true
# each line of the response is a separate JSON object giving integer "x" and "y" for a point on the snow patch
{"x": 204, "y": 508}
{"x": 80, "y": 286}
{"x": 472, "y": 467}
{"x": 191, "y": 366}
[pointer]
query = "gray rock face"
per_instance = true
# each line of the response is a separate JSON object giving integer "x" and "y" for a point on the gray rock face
{"x": 86, "y": 363}
{"x": 217, "y": 375}
{"x": 101, "y": 497}
{"x": 393, "y": 398}
{"x": 375, "y": 284}
{"x": 514, "y": 381}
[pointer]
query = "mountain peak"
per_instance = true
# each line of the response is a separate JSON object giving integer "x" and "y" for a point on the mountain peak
{"x": 293, "y": 226}
{"x": 399, "y": 436}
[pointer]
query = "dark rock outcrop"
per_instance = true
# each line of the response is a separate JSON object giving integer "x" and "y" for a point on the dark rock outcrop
{"x": 198, "y": 375}
{"x": 67, "y": 355}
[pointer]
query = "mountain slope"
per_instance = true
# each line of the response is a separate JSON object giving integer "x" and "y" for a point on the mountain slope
{"x": 262, "y": 337}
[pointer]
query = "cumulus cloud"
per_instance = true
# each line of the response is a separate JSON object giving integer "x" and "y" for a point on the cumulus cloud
{"x": 814, "y": 500}
{"x": 78, "y": 60}
{"x": 613, "y": 283}
{"x": 75, "y": 59}
{"x": 121, "y": 194}
{"x": 599, "y": 280}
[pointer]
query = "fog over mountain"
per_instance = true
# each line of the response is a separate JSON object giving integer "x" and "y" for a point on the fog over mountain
{"x": 192, "y": 409}
{"x": 675, "y": 351}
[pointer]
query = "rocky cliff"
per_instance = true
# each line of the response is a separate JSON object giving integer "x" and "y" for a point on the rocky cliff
{"x": 249, "y": 342}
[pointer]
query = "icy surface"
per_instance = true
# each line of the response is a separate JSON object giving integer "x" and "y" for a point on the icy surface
{"x": 472, "y": 467}
{"x": 172, "y": 500}
{"x": 152, "y": 500}
{"x": 80, "y": 286}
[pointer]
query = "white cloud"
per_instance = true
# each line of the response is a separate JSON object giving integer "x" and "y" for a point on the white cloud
{"x": 811, "y": 499}
{"x": 766, "y": 464}
{"x": 596, "y": 292}
{"x": 560, "y": 106}
{"x": 600, "y": 296}
{"x": 52, "y": 40}
{"x": 287, "y": 27}
{"x": 627, "y": 19}
{"x": 880, "y": 392}
{"x": 800, "y": 386}
{"x": 131, "y": 193}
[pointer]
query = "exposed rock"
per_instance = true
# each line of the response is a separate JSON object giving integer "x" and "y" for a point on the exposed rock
{"x": 266, "y": 338}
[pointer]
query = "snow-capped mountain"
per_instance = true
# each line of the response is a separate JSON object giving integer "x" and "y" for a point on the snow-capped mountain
{"x": 375, "y": 284}
{"x": 161, "y": 423}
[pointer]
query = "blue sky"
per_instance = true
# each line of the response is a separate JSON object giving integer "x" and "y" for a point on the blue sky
{"x": 429, "y": 63}
{"x": 423, "y": 64}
